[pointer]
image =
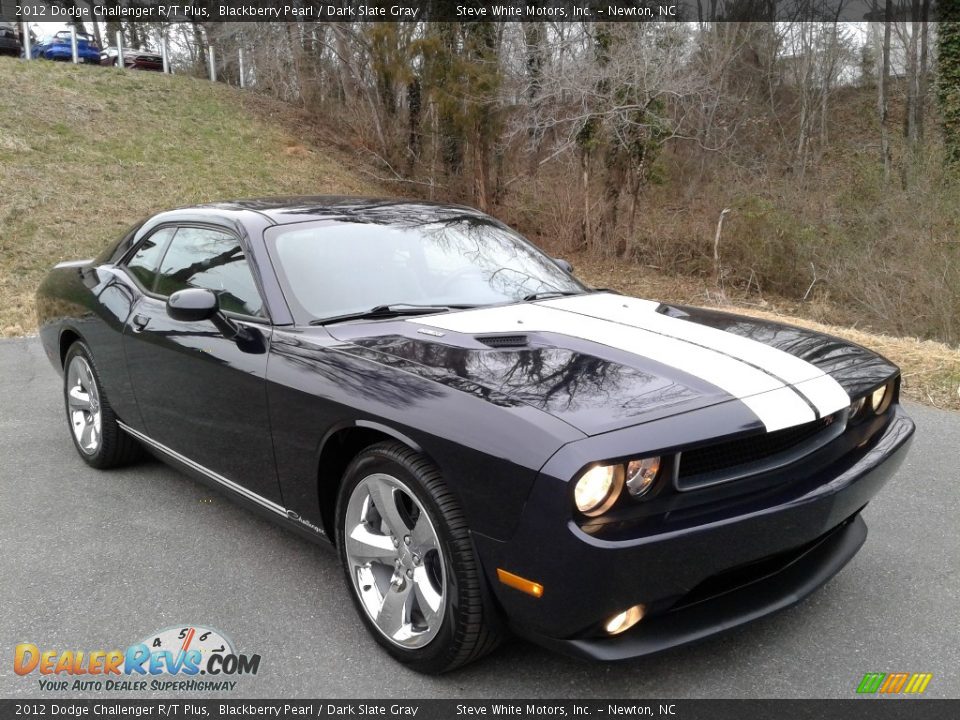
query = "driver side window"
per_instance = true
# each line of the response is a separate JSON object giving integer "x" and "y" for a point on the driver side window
{"x": 213, "y": 260}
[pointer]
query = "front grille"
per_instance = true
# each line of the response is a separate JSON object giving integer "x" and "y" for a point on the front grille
{"x": 729, "y": 460}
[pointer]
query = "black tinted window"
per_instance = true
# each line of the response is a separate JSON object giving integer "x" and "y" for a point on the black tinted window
{"x": 203, "y": 258}
{"x": 145, "y": 261}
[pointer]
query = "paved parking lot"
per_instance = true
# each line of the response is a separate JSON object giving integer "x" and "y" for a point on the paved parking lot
{"x": 99, "y": 560}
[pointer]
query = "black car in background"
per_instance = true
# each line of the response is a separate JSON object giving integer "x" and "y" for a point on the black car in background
{"x": 489, "y": 444}
{"x": 10, "y": 39}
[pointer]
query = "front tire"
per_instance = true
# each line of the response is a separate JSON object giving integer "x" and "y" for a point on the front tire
{"x": 409, "y": 561}
{"x": 99, "y": 440}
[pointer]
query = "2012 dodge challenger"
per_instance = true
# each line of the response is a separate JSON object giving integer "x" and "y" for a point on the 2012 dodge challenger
{"x": 489, "y": 444}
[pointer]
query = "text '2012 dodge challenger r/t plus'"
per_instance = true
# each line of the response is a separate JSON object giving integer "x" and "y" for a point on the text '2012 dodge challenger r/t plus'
{"x": 490, "y": 445}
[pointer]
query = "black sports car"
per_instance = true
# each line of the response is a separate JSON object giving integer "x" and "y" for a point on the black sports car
{"x": 489, "y": 444}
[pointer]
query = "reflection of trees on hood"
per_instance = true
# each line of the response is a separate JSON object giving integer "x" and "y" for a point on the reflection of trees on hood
{"x": 857, "y": 369}
{"x": 354, "y": 376}
{"x": 552, "y": 379}
{"x": 804, "y": 344}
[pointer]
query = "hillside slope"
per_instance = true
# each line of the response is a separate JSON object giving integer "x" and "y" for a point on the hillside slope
{"x": 86, "y": 151}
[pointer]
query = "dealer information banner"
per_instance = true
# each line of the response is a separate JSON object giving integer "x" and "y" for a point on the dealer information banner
{"x": 433, "y": 10}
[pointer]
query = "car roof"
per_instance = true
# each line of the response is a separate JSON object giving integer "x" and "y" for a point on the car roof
{"x": 380, "y": 211}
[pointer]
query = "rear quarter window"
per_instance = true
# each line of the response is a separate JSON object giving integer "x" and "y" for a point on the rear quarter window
{"x": 146, "y": 260}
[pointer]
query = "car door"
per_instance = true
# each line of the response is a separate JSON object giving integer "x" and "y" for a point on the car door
{"x": 199, "y": 393}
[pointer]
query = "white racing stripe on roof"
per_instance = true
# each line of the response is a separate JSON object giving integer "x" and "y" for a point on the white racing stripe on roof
{"x": 826, "y": 395}
{"x": 776, "y": 405}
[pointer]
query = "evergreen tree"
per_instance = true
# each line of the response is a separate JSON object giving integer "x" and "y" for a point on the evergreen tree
{"x": 948, "y": 84}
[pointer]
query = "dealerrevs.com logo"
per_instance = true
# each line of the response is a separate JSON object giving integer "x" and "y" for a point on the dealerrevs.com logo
{"x": 184, "y": 653}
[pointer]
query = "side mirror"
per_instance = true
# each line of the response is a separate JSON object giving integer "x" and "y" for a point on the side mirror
{"x": 193, "y": 305}
{"x": 564, "y": 265}
{"x": 198, "y": 304}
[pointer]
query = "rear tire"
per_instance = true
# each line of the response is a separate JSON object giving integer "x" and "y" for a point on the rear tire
{"x": 409, "y": 561}
{"x": 99, "y": 440}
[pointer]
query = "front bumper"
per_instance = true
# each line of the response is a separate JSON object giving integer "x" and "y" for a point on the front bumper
{"x": 696, "y": 580}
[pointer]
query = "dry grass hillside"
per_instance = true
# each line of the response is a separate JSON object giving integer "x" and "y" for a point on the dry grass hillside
{"x": 86, "y": 151}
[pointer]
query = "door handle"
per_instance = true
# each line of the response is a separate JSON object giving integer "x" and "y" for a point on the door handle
{"x": 140, "y": 322}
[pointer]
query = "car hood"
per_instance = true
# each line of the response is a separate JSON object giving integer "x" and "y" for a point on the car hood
{"x": 601, "y": 362}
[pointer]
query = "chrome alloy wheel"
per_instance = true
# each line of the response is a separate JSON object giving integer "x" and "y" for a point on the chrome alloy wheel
{"x": 83, "y": 405}
{"x": 395, "y": 561}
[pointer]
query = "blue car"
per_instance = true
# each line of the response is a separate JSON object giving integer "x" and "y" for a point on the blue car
{"x": 57, "y": 47}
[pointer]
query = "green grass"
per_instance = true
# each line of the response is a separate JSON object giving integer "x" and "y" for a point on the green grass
{"x": 87, "y": 151}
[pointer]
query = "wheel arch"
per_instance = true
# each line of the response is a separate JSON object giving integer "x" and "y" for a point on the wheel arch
{"x": 339, "y": 446}
{"x": 68, "y": 336}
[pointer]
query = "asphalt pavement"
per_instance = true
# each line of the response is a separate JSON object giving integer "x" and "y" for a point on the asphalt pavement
{"x": 96, "y": 560}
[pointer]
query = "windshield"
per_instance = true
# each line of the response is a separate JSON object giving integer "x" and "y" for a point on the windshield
{"x": 332, "y": 269}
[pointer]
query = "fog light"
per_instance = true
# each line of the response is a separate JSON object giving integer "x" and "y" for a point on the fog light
{"x": 625, "y": 620}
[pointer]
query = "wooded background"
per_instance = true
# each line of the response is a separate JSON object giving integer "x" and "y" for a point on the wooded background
{"x": 813, "y": 161}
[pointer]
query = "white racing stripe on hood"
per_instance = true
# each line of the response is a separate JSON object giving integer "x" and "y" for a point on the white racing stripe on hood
{"x": 820, "y": 389}
{"x": 775, "y": 404}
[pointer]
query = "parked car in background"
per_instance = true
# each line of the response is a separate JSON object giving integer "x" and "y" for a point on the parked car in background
{"x": 57, "y": 47}
{"x": 134, "y": 59}
{"x": 9, "y": 39}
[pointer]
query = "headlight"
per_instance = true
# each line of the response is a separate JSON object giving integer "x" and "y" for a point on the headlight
{"x": 641, "y": 474}
{"x": 880, "y": 398}
{"x": 598, "y": 488}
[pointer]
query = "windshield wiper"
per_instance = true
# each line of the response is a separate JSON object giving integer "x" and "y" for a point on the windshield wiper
{"x": 381, "y": 312}
{"x": 550, "y": 293}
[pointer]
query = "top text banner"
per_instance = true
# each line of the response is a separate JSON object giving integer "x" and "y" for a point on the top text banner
{"x": 454, "y": 11}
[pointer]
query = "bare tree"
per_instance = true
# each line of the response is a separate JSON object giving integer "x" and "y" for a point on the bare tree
{"x": 886, "y": 155}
